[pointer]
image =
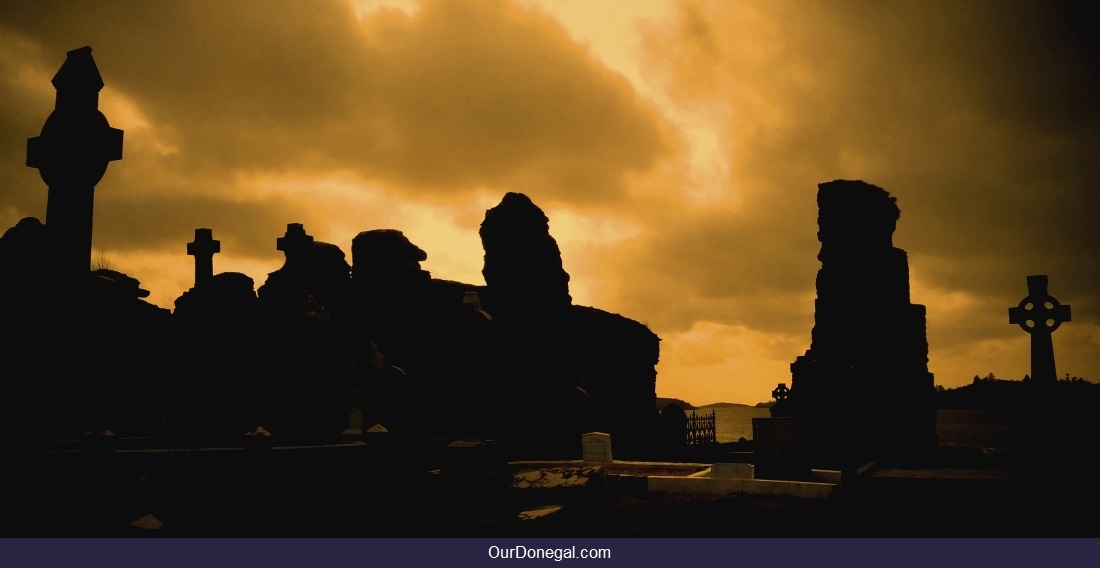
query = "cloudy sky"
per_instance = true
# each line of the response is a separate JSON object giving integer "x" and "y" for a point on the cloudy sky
{"x": 675, "y": 146}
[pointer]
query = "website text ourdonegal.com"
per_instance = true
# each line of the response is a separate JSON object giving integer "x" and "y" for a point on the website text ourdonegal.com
{"x": 520, "y": 552}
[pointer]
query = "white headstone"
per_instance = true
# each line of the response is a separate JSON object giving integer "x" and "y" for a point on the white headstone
{"x": 733, "y": 470}
{"x": 596, "y": 447}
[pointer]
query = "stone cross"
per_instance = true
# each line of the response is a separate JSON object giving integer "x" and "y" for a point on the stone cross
{"x": 295, "y": 242}
{"x": 71, "y": 154}
{"x": 1039, "y": 314}
{"x": 203, "y": 249}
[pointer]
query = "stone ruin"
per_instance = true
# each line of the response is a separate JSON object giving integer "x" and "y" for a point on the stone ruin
{"x": 513, "y": 360}
{"x": 598, "y": 365}
{"x": 509, "y": 360}
{"x": 864, "y": 382}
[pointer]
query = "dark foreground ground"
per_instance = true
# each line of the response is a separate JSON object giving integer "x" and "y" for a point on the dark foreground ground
{"x": 443, "y": 491}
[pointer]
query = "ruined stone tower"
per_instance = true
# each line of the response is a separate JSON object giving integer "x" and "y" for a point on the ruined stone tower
{"x": 864, "y": 381}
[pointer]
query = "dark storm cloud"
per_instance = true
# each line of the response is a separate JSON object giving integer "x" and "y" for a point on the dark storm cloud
{"x": 246, "y": 229}
{"x": 460, "y": 97}
{"x": 722, "y": 264}
{"x": 982, "y": 118}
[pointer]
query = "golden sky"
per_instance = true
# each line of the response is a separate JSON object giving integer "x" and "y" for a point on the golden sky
{"x": 675, "y": 146}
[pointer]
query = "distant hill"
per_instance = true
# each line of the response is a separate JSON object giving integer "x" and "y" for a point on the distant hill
{"x": 663, "y": 402}
{"x": 722, "y": 405}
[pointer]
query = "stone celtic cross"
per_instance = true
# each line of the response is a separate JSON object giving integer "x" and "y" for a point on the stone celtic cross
{"x": 203, "y": 248}
{"x": 1040, "y": 314}
{"x": 72, "y": 154}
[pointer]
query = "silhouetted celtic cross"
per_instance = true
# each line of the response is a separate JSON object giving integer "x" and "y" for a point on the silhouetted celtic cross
{"x": 1039, "y": 312}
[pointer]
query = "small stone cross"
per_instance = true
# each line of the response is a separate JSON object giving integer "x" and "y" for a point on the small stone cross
{"x": 294, "y": 242}
{"x": 1040, "y": 314}
{"x": 203, "y": 249}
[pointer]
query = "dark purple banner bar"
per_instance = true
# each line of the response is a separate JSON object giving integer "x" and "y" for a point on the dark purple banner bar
{"x": 347, "y": 553}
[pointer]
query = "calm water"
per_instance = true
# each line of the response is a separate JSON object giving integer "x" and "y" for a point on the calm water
{"x": 734, "y": 422}
{"x": 975, "y": 428}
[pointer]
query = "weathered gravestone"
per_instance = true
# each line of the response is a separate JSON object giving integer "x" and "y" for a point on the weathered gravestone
{"x": 596, "y": 447}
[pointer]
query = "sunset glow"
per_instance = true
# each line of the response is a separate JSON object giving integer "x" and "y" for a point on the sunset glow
{"x": 676, "y": 147}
